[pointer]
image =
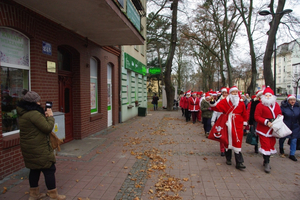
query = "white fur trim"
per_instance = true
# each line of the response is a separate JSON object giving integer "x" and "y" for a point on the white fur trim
{"x": 266, "y": 122}
{"x": 224, "y": 90}
{"x": 233, "y": 89}
{"x": 245, "y": 123}
{"x": 268, "y": 153}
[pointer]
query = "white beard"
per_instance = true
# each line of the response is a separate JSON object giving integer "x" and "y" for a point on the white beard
{"x": 268, "y": 102}
{"x": 235, "y": 99}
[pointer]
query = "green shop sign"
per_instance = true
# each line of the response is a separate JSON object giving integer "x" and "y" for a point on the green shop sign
{"x": 134, "y": 65}
{"x": 154, "y": 71}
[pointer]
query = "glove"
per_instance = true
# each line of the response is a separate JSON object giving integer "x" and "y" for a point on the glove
{"x": 212, "y": 124}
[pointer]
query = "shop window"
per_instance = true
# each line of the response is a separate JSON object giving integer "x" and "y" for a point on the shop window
{"x": 15, "y": 59}
{"x": 94, "y": 85}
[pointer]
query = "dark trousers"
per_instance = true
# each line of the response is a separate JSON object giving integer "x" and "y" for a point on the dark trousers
{"x": 194, "y": 116}
{"x": 187, "y": 114}
{"x": 206, "y": 124}
{"x": 49, "y": 174}
{"x": 182, "y": 110}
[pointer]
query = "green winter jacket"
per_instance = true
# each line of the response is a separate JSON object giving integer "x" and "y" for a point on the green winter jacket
{"x": 206, "y": 113}
{"x": 34, "y": 139}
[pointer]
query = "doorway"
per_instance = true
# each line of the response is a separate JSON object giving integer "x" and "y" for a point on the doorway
{"x": 109, "y": 96}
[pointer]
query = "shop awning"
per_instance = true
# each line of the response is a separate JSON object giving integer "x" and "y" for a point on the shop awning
{"x": 101, "y": 21}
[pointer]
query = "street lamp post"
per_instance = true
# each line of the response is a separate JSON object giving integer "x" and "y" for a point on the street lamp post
{"x": 266, "y": 12}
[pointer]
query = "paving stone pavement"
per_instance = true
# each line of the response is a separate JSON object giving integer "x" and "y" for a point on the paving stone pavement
{"x": 135, "y": 159}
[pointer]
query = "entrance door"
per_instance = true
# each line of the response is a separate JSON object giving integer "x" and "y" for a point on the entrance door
{"x": 65, "y": 104}
{"x": 109, "y": 96}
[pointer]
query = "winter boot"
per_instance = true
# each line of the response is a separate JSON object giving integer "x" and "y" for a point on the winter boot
{"x": 228, "y": 155}
{"x": 239, "y": 161}
{"x": 267, "y": 163}
{"x": 281, "y": 151}
{"x": 35, "y": 194}
{"x": 55, "y": 196}
{"x": 256, "y": 148}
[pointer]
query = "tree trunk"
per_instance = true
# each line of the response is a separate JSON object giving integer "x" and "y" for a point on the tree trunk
{"x": 170, "y": 91}
{"x": 268, "y": 75}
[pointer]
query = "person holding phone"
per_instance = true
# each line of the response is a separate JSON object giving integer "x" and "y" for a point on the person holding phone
{"x": 35, "y": 127}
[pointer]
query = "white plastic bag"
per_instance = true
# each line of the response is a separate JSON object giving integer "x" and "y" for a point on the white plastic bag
{"x": 280, "y": 130}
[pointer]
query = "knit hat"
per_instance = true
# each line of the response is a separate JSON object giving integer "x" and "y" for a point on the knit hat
{"x": 268, "y": 90}
{"x": 233, "y": 88}
{"x": 290, "y": 96}
{"x": 31, "y": 96}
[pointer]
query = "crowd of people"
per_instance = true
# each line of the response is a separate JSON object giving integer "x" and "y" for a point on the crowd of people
{"x": 231, "y": 110}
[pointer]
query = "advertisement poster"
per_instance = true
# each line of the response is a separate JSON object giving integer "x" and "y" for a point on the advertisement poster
{"x": 14, "y": 47}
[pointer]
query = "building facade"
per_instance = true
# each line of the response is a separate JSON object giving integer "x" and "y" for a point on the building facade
{"x": 72, "y": 60}
{"x": 288, "y": 68}
{"x": 133, "y": 69}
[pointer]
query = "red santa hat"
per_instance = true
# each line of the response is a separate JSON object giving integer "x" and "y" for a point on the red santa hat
{"x": 253, "y": 96}
{"x": 224, "y": 89}
{"x": 207, "y": 95}
{"x": 5, "y": 91}
{"x": 194, "y": 93}
{"x": 214, "y": 93}
{"x": 14, "y": 95}
{"x": 233, "y": 88}
{"x": 188, "y": 92}
{"x": 268, "y": 90}
{"x": 259, "y": 93}
{"x": 218, "y": 92}
{"x": 211, "y": 91}
{"x": 290, "y": 96}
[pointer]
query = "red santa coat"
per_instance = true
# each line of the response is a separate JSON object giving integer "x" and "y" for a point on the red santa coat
{"x": 185, "y": 103}
{"x": 237, "y": 118}
{"x": 262, "y": 114}
{"x": 181, "y": 102}
{"x": 194, "y": 104}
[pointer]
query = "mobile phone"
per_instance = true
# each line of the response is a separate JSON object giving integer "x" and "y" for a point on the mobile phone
{"x": 48, "y": 105}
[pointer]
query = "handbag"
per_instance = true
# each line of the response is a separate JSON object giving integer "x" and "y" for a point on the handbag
{"x": 280, "y": 130}
{"x": 251, "y": 137}
{"x": 219, "y": 131}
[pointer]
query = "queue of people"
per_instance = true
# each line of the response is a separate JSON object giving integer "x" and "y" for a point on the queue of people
{"x": 240, "y": 111}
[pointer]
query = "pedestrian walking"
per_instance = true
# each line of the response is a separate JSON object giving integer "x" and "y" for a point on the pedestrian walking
{"x": 186, "y": 106}
{"x": 155, "y": 101}
{"x": 291, "y": 111}
{"x": 181, "y": 101}
{"x": 265, "y": 113}
{"x": 35, "y": 127}
{"x": 194, "y": 106}
{"x": 252, "y": 123}
{"x": 237, "y": 119}
{"x": 206, "y": 113}
{"x": 199, "y": 95}
{"x": 216, "y": 115}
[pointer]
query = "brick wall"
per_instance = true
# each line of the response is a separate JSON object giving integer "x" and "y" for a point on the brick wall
{"x": 38, "y": 29}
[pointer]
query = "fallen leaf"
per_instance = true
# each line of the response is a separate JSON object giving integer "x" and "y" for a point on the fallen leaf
{"x": 77, "y": 180}
{"x": 79, "y": 157}
{"x": 125, "y": 167}
{"x": 185, "y": 179}
{"x": 113, "y": 162}
{"x": 4, "y": 190}
{"x": 205, "y": 158}
{"x": 218, "y": 164}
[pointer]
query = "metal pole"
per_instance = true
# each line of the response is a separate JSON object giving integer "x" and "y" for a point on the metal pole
{"x": 275, "y": 57}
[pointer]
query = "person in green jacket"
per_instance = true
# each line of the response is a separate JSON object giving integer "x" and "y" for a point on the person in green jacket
{"x": 35, "y": 127}
{"x": 206, "y": 113}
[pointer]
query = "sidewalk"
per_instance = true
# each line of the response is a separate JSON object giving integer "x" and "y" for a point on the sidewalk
{"x": 160, "y": 156}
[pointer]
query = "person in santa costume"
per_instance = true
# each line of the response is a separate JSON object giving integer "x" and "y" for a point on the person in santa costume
{"x": 237, "y": 119}
{"x": 216, "y": 115}
{"x": 206, "y": 113}
{"x": 265, "y": 113}
{"x": 194, "y": 106}
{"x": 186, "y": 106}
